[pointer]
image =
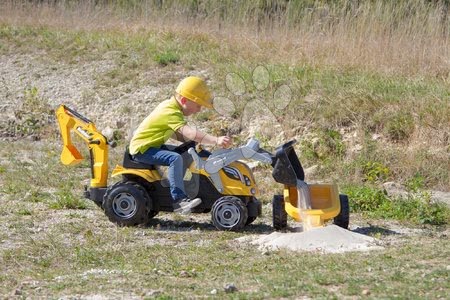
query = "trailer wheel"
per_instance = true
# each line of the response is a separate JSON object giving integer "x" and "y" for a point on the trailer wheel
{"x": 229, "y": 213}
{"x": 127, "y": 204}
{"x": 343, "y": 218}
{"x": 279, "y": 213}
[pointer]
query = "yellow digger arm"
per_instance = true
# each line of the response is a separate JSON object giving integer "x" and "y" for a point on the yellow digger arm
{"x": 70, "y": 120}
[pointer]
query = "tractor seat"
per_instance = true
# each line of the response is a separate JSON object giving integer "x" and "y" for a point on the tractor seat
{"x": 129, "y": 163}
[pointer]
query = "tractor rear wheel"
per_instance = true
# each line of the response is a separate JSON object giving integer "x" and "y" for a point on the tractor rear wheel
{"x": 279, "y": 213}
{"x": 127, "y": 204}
{"x": 143, "y": 188}
{"x": 343, "y": 218}
{"x": 151, "y": 213}
{"x": 229, "y": 213}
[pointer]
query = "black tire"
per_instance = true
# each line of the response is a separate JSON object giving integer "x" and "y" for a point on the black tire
{"x": 152, "y": 213}
{"x": 254, "y": 208}
{"x": 127, "y": 204}
{"x": 343, "y": 218}
{"x": 279, "y": 213}
{"x": 229, "y": 213}
{"x": 250, "y": 220}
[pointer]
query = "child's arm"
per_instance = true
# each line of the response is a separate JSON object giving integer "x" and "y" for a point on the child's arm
{"x": 193, "y": 134}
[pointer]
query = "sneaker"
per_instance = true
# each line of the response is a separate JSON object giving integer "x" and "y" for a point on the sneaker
{"x": 185, "y": 205}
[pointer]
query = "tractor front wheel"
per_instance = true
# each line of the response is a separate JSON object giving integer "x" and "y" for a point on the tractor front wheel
{"x": 229, "y": 213}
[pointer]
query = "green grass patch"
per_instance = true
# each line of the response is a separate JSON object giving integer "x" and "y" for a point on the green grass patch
{"x": 415, "y": 207}
{"x": 400, "y": 126}
{"x": 65, "y": 199}
{"x": 24, "y": 212}
{"x": 36, "y": 196}
{"x": 166, "y": 58}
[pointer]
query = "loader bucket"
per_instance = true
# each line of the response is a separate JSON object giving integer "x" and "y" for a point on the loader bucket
{"x": 286, "y": 165}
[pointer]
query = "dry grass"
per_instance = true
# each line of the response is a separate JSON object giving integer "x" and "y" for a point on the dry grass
{"x": 393, "y": 37}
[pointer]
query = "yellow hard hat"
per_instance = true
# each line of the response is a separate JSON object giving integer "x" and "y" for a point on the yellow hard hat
{"x": 196, "y": 90}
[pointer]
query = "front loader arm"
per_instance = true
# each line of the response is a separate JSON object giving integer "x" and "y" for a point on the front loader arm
{"x": 70, "y": 120}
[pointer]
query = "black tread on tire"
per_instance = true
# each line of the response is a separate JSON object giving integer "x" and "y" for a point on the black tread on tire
{"x": 279, "y": 214}
{"x": 229, "y": 213}
{"x": 127, "y": 204}
{"x": 343, "y": 218}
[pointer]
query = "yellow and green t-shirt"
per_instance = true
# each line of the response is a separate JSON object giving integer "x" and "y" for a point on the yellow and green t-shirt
{"x": 158, "y": 127}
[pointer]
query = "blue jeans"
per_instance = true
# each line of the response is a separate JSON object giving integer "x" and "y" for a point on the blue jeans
{"x": 163, "y": 157}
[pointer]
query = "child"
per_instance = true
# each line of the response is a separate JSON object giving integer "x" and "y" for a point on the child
{"x": 147, "y": 145}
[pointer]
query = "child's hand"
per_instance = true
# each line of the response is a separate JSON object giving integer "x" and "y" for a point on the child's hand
{"x": 224, "y": 141}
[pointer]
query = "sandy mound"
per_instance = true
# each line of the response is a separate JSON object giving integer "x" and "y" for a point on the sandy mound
{"x": 328, "y": 239}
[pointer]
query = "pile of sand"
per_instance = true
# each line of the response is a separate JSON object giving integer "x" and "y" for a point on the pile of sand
{"x": 328, "y": 239}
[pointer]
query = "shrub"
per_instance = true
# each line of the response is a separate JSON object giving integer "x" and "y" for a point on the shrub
{"x": 375, "y": 171}
{"x": 33, "y": 117}
{"x": 166, "y": 58}
{"x": 415, "y": 183}
{"x": 366, "y": 199}
{"x": 400, "y": 126}
{"x": 327, "y": 145}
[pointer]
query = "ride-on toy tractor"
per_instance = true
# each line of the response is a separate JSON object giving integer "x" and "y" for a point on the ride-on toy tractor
{"x": 225, "y": 184}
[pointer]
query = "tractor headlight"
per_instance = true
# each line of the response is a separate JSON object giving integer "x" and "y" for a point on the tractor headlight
{"x": 247, "y": 180}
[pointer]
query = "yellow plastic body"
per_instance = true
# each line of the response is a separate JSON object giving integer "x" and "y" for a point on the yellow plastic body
{"x": 70, "y": 121}
{"x": 149, "y": 175}
{"x": 231, "y": 187}
{"x": 325, "y": 204}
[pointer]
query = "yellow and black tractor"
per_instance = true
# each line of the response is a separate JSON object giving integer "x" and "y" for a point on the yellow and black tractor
{"x": 225, "y": 185}
{"x": 221, "y": 179}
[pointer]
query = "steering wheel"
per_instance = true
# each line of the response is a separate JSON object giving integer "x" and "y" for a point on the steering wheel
{"x": 185, "y": 147}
